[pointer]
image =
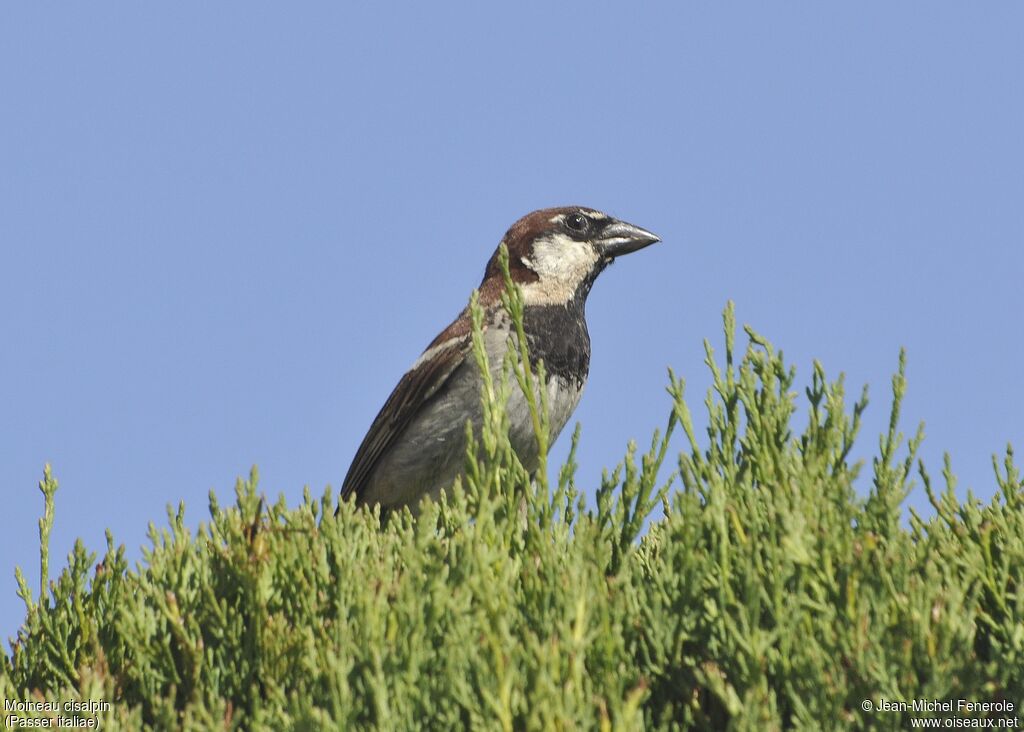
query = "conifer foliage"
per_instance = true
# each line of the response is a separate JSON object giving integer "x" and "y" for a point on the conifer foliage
{"x": 742, "y": 583}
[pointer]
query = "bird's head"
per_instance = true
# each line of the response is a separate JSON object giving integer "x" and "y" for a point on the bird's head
{"x": 555, "y": 254}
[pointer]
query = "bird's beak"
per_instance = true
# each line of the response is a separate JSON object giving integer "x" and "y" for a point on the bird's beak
{"x": 620, "y": 238}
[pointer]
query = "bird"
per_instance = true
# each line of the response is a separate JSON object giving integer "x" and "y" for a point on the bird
{"x": 416, "y": 445}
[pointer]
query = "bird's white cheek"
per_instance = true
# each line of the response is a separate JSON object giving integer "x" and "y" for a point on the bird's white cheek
{"x": 560, "y": 258}
{"x": 561, "y": 264}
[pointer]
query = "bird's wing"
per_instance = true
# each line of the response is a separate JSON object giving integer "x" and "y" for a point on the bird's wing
{"x": 418, "y": 385}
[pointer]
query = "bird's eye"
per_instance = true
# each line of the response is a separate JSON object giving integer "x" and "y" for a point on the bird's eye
{"x": 577, "y": 222}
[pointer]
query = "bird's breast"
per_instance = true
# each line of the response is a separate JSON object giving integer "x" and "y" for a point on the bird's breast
{"x": 558, "y": 335}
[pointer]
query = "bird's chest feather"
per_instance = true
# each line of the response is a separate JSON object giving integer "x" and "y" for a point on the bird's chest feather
{"x": 558, "y": 336}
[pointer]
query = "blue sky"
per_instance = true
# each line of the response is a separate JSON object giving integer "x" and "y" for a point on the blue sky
{"x": 227, "y": 229}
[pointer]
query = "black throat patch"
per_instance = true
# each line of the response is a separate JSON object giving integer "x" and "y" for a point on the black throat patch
{"x": 557, "y": 334}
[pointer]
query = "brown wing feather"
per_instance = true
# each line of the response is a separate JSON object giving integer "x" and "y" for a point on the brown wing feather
{"x": 415, "y": 388}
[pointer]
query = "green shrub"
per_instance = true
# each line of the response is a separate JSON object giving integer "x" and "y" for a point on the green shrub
{"x": 768, "y": 596}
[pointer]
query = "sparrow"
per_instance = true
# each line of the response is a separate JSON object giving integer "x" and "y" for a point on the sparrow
{"x": 416, "y": 445}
